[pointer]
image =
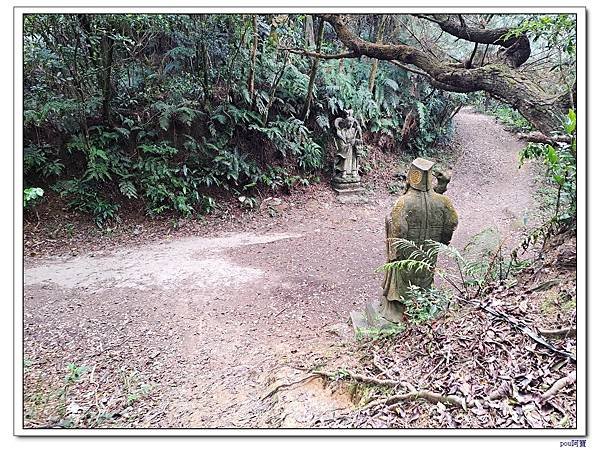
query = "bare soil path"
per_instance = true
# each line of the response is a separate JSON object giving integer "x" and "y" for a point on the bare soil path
{"x": 193, "y": 332}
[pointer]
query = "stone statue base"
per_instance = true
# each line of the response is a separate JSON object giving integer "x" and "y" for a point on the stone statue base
{"x": 393, "y": 311}
{"x": 349, "y": 192}
{"x": 342, "y": 188}
{"x": 370, "y": 322}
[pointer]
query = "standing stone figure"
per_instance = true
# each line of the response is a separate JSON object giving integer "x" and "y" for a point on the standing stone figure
{"x": 346, "y": 160}
{"x": 443, "y": 178}
{"x": 418, "y": 215}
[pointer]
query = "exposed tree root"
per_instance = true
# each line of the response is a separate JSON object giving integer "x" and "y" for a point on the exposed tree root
{"x": 363, "y": 378}
{"x": 413, "y": 394}
{"x": 284, "y": 385}
{"x": 430, "y": 396}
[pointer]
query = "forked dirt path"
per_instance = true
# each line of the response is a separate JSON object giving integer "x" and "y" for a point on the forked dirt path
{"x": 212, "y": 323}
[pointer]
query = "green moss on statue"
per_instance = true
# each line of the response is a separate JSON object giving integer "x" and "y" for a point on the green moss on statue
{"x": 420, "y": 214}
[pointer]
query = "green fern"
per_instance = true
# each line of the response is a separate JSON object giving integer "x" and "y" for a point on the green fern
{"x": 469, "y": 273}
{"x": 408, "y": 264}
{"x": 127, "y": 188}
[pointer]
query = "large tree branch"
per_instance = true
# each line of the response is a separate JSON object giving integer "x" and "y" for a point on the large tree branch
{"x": 301, "y": 51}
{"x": 517, "y": 47}
{"x": 500, "y": 81}
{"x": 433, "y": 82}
{"x": 541, "y": 138}
{"x": 451, "y": 24}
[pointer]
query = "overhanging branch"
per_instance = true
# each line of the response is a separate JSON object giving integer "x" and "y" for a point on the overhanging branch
{"x": 433, "y": 82}
{"x": 499, "y": 80}
{"x": 517, "y": 47}
{"x": 301, "y": 51}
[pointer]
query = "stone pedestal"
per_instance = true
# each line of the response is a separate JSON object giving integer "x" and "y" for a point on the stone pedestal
{"x": 370, "y": 322}
{"x": 349, "y": 192}
{"x": 346, "y": 180}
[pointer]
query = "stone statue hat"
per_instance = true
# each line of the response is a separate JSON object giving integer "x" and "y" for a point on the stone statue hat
{"x": 419, "y": 174}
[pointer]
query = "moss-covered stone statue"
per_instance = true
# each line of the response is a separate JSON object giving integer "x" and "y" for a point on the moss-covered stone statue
{"x": 348, "y": 144}
{"x": 418, "y": 215}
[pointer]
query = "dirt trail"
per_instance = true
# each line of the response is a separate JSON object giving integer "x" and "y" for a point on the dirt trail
{"x": 212, "y": 323}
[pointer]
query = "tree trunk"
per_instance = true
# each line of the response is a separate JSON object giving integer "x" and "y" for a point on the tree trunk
{"x": 205, "y": 69}
{"x": 313, "y": 72}
{"x": 253, "y": 58}
{"x": 374, "y": 64}
{"x": 309, "y": 32}
{"x": 107, "y": 59}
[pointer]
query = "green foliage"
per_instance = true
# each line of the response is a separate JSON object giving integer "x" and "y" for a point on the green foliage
{"x": 31, "y": 195}
{"x": 389, "y": 331}
{"x": 133, "y": 388}
{"x": 248, "y": 202}
{"x": 435, "y": 124}
{"x": 74, "y": 373}
{"x": 511, "y": 118}
{"x": 424, "y": 305}
{"x": 421, "y": 258}
{"x": 182, "y": 113}
{"x": 556, "y": 30}
{"x": 156, "y": 109}
{"x": 82, "y": 197}
{"x": 40, "y": 160}
{"x": 560, "y": 161}
{"x": 472, "y": 273}
{"x": 276, "y": 178}
{"x": 395, "y": 187}
{"x": 293, "y": 137}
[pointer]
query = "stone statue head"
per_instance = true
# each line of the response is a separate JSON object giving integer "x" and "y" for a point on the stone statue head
{"x": 419, "y": 174}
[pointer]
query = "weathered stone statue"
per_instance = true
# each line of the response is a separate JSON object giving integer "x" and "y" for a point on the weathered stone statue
{"x": 443, "y": 178}
{"x": 418, "y": 215}
{"x": 349, "y": 140}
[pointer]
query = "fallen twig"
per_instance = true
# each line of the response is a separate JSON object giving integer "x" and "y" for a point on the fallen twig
{"x": 426, "y": 377}
{"x": 524, "y": 329}
{"x": 560, "y": 384}
{"x": 543, "y": 286}
{"x": 383, "y": 370}
{"x": 558, "y": 333}
{"x": 282, "y": 310}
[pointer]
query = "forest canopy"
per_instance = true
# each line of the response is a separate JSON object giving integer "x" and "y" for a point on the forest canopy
{"x": 169, "y": 112}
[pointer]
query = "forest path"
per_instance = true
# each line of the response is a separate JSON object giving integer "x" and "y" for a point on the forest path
{"x": 212, "y": 322}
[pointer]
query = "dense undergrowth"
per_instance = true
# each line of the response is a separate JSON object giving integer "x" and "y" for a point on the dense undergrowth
{"x": 171, "y": 111}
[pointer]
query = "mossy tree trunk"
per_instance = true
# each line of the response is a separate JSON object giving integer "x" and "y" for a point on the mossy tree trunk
{"x": 374, "y": 64}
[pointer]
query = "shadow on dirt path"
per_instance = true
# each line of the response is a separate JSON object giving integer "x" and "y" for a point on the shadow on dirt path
{"x": 213, "y": 323}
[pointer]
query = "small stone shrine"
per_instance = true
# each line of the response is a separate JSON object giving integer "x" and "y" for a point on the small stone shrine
{"x": 346, "y": 179}
{"x": 419, "y": 214}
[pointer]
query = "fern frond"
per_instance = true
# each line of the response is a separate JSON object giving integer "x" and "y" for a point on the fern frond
{"x": 406, "y": 265}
